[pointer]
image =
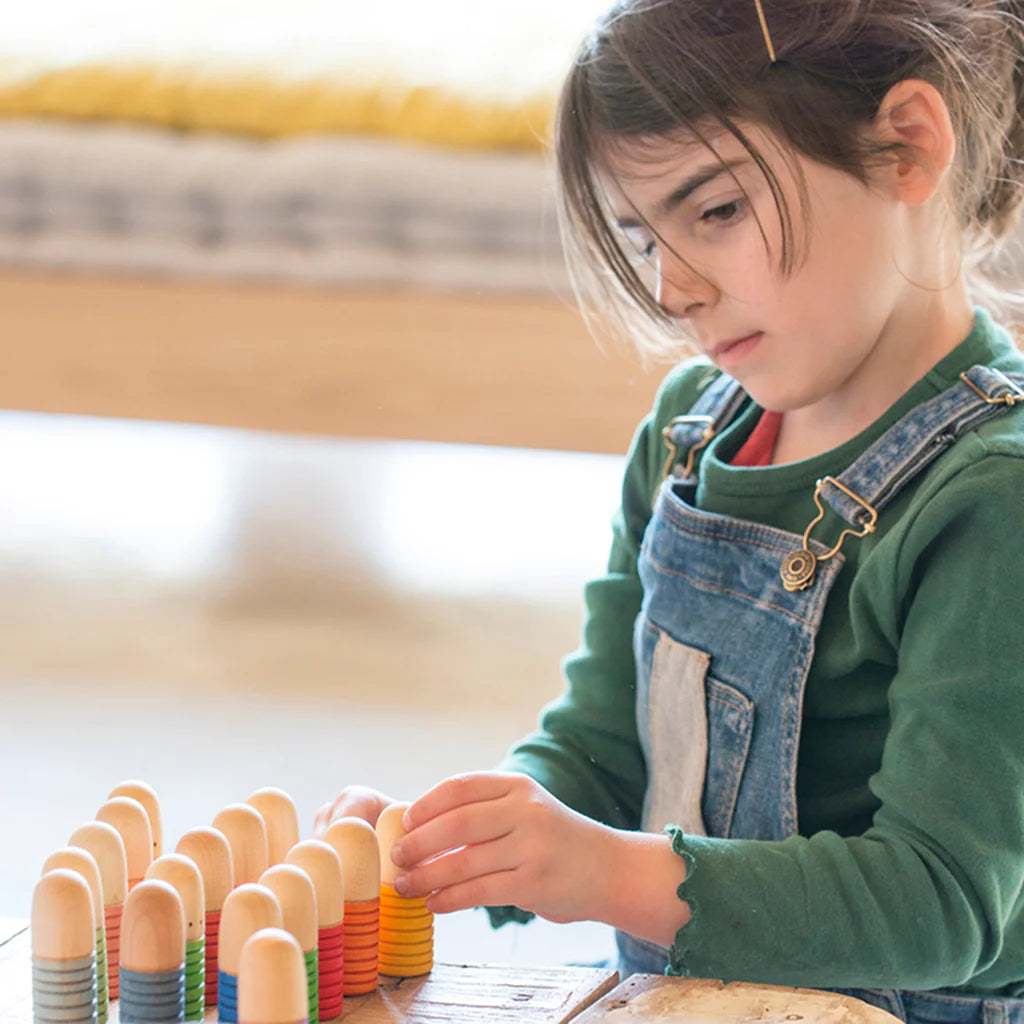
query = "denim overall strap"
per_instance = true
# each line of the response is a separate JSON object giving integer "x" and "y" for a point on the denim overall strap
{"x": 919, "y": 438}
{"x": 687, "y": 435}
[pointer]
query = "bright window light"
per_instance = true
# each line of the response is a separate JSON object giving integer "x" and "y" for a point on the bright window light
{"x": 78, "y": 491}
{"x": 497, "y": 45}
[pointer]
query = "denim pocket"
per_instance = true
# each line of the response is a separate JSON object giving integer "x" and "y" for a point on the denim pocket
{"x": 730, "y": 726}
{"x": 696, "y": 732}
{"x": 678, "y": 730}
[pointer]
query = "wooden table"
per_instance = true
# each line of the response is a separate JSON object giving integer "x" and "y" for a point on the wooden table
{"x": 459, "y": 994}
{"x": 483, "y": 994}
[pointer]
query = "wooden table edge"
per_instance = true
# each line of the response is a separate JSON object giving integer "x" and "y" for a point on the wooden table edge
{"x": 11, "y": 928}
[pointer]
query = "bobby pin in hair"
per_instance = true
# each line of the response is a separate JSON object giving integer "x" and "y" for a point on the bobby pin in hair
{"x": 764, "y": 30}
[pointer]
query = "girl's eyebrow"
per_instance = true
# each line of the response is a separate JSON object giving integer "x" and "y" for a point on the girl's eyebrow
{"x": 701, "y": 176}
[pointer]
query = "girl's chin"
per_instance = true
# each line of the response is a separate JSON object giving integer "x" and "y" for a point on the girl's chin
{"x": 771, "y": 395}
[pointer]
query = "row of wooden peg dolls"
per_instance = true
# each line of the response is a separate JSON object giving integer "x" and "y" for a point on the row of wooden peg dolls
{"x": 219, "y": 921}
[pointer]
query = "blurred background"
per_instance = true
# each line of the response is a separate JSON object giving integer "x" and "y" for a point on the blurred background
{"x": 305, "y": 453}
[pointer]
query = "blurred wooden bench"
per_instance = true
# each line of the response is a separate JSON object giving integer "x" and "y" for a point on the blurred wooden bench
{"x": 389, "y": 364}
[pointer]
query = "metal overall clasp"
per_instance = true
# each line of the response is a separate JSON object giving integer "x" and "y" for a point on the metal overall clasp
{"x": 707, "y": 422}
{"x": 800, "y": 567}
{"x": 1011, "y": 398}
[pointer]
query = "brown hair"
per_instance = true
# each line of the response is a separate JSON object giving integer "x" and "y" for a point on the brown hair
{"x": 652, "y": 68}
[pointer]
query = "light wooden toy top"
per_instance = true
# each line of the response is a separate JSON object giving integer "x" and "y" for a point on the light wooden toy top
{"x": 389, "y": 831}
{"x": 210, "y": 851}
{"x": 247, "y": 909}
{"x": 63, "y": 925}
{"x": 146, "y": 796}
{"x": 129, "y": 817}
{"x": 182, "y": 872}
{"x": 74, "y": 858}
{"x": 153, "y": 928}
{"x": 272, "y": 980}
{"x": 105, "y": 844}
{"x": 281, "y": 819}
{"x": 294, "y": 891}
{"x": 355, "y": 842}
{"x": 246, "y": 833}
{"x": 323, "y": 865}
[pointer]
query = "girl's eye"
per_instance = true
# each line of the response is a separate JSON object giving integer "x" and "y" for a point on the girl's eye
{"x": 642, "y": 247}
{"x": 724, "y": 213}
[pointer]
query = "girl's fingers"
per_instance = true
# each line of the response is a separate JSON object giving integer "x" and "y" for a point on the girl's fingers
{"x": 353, "y": 802}
{"x": 465, "y": 825}
{"x": 322, "y": 819}
{"x": 472, "y": 787}
{"x": 458, "y": 867}
{"x": 489, "y": 891}
{"x": 365, "y": 805}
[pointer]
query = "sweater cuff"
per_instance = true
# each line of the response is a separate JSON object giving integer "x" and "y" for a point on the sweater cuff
{"x": 688, "y": 937}
{"x": 504, "y": 915}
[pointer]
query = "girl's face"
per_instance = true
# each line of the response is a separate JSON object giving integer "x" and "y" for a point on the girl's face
{"x": 844, "y": 322}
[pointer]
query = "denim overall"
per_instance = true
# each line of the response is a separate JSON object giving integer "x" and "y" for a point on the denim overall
{"x": 723, "y": 646}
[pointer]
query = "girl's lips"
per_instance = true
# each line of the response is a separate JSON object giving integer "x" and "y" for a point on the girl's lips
{"x": 732, "y": 353}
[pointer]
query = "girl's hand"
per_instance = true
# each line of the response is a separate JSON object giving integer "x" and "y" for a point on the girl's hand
{"x": 491, "y": 838}
{"x": 351, "y": 802}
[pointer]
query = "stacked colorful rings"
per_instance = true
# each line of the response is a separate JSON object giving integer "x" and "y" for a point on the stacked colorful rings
{"x": 210, "y": 952}
{"x": 331, "y": 956}
{"x": 227, "y": 998}
{"x": 313, "y": 985}
{"x": 102, "y": 980}
{"x": 112, "y": 928}
{"x": 157, "y": 998}
{"x": 406, "y": 935}
{"x": 195, "y": 979}
{"x": 64, "y": 991}
{"x": 362, "y": 927}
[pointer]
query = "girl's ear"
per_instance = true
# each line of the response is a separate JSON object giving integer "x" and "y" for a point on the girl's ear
{"x": 914, "y": 117}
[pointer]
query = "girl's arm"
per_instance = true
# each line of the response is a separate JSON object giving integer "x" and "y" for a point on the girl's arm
{"x": 493, "y": 838}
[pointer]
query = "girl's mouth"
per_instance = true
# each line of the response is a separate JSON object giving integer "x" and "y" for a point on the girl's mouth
{"x": 731, "y": 353}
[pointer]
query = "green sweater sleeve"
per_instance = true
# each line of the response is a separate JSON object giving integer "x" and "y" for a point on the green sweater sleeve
{"x": 931, "y": 894}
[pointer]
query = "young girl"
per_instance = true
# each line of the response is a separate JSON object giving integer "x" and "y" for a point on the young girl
{"x": 791, "y": 746}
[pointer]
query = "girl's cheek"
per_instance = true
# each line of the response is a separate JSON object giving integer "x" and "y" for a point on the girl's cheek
{"x": 745, "y": 265}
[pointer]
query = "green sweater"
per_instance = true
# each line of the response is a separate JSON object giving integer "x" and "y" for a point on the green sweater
{"x": 908, "y": 870}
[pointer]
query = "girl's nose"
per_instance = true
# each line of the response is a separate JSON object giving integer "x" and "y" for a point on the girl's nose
{"x": 683, "y": 291}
